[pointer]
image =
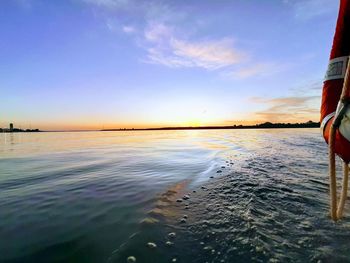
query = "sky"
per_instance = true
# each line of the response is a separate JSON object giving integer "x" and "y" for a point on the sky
{"x": 93, "y": 64}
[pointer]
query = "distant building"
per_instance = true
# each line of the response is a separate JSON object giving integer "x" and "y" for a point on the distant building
{"x": 11, "y": 127}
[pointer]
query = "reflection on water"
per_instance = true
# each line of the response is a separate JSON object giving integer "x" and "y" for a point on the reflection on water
{"x": 228, "y": 195}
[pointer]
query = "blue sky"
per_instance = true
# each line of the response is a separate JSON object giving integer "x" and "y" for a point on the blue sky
{"x": 88, "y": 64}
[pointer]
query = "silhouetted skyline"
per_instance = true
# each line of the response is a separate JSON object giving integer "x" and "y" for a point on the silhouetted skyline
{"x": 12, "y": 128}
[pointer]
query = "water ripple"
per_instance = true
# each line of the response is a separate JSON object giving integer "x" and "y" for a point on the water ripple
{"x": 101, "y": 197}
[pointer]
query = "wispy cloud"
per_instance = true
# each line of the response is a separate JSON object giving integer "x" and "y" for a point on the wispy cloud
{"x": 128, "y": 29}
{"x": 108, "y": 3}
{"x": 309, "y": 87}
{"x": 291, "y": 109}
{"x": 159, "y": 31}
{"x": 308, "y": 9}
{"x": 165, "y": 47}
{"x": 208, "y": 54}
{"x": 255, "y": 69}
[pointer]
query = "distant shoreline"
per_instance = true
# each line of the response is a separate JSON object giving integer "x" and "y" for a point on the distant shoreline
{"x": 266, "y": 125}
{"x": 20, "y": 131}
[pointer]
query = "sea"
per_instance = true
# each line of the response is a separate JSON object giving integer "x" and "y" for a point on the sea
{"x": 255, "y": 195}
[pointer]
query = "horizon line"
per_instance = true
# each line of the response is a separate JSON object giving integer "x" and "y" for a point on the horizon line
{"x": 234, "y": 126}
{"x": 308, "y": 124}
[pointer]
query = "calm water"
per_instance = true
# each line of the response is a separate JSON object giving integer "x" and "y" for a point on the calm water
{"x": 251, "y": 195}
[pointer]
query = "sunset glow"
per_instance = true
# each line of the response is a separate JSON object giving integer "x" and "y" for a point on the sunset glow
{"x": 93, "y": 64}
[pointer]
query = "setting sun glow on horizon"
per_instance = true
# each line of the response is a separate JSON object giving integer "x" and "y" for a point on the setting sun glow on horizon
{"x": 104, "y": 64}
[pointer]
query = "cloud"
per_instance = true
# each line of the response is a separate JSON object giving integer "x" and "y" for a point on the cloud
{"x": 128, "y": 29}
{"x": 157, "y": 33}
{"x": 308, "y": 9}
{"x": 313, "y": 86}
{"x": 288, "y": 109}
{"x": 165, "y": 42}
{"x": 258, "y": 69}
{"x": 156, "y": 56}
{"x": 294, "y": 101}
{"x": 166, "y": 48}
{"x": 208, "y": 54}
{"x": 111, "y": 4}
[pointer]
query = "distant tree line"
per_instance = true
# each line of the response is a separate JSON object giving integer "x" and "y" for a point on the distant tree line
{"x": 265, "y": 125}
{"x": 309, "y": 124}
